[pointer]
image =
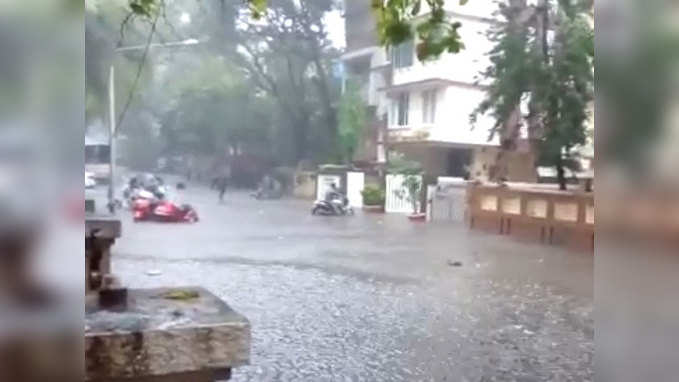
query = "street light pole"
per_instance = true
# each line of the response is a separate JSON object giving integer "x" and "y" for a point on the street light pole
{"x": 111, "y": 139}
{"x": 112, "y": 109}
{"x": 187, "y": 42}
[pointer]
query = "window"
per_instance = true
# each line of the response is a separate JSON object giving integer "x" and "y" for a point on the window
{"x": 403, "y": 105}
{"x": 402, "y": 55}
{"x": 429, "y": 106}
{"x": 399, "y": 110}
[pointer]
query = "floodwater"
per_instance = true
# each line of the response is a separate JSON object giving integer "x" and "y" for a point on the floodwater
{"x": 374, "y": 297}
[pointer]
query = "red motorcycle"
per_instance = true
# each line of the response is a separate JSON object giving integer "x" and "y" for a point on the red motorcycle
{"x": 163, "y": 211}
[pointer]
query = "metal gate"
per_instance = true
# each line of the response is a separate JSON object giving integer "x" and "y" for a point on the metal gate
{"x": 396, "y": 203}
{"x": 446, "y": 201}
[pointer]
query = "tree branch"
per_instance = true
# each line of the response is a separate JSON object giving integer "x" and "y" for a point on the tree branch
{"x": 133, "y": 89}
{"x": 128, "y": 18}
{"x": 259, "y": 70}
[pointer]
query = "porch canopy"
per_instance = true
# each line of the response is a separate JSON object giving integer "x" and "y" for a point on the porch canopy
{"x": 430, "y": 83}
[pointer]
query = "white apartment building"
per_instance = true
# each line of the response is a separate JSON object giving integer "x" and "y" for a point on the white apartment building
{"x": 423, "y": 109}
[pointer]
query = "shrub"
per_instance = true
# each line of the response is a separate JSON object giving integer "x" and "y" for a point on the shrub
{"x": 373, "y": 196}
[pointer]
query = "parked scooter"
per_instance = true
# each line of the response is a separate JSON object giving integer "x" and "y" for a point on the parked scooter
{"x": 335, "y": 207}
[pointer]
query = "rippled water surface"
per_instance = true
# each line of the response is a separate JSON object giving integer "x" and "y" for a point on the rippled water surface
{"x": 373, "y": 297}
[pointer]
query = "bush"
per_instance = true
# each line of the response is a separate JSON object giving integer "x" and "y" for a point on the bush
{"x": 373, "y": 196}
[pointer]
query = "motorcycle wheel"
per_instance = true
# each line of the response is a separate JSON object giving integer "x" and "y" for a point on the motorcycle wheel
{"x": 315, "y": 211}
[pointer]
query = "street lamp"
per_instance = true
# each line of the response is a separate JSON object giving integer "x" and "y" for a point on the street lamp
{"x": 187, "y": 42}
{"x": 112, "y": 106}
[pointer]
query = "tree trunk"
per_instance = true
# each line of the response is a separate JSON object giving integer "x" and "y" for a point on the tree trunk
{"x": 322, "y": 84}
{"x": 499, "y": 172}
{"x": 301, "y": 148}
{"x": 329, "y": 114}
{"x": 511, "y": 129}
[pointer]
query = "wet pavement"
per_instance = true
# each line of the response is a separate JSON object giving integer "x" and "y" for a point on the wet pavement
{"x": 374, "y": 297}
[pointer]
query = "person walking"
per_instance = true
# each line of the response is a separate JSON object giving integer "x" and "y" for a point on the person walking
{"x": 223, "y": 182}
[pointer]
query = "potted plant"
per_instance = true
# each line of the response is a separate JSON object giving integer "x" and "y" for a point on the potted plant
{"x": 373, "y": 199}
{"x": 411, "y": 189}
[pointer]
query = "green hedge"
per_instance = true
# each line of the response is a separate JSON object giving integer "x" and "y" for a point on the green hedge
{"x": 373, "y": 196}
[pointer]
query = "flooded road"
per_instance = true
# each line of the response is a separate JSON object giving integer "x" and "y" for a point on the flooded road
{"x": 374, "y": 297}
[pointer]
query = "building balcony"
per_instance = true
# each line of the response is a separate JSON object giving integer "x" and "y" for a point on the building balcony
{"x": 439, "y": 134}
{"x": 431, "y": 83}
{"x": 410, "y": 133}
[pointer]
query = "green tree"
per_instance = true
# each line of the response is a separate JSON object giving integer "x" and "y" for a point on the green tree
{"x": 288, "y": 56}
{"x": 352, "y": 120}
{"x": 215, "y": 120}
{"x": 143, "y": 145}
{"x": 565, "y": 97}
{"x": 284, "y": 51}
{"x": 396, "y": 23}
{"x": 544, "y": 58}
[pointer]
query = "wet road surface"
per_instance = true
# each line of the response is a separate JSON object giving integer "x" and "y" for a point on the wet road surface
{"x": 374, "y": 297}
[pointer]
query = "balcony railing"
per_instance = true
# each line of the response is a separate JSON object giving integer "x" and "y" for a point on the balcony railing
{"x": 414, "y": 127}
{"x": 419, "y": 132}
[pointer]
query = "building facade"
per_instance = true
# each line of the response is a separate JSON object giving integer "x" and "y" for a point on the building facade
{"x": 422, "y": 109}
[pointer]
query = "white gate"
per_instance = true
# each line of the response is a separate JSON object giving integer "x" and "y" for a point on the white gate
{"x": 355, "y": 184}
{"x": 396, "y": 196}
{"x": 447, "y": 200}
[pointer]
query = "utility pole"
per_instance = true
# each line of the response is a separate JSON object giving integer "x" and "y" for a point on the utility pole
{"x": 112, "y": 109}
{"x": 111, "y": 139}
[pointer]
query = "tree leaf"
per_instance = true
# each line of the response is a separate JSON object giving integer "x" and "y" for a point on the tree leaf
{"x": 138, "y": 9}
{"x": 258, "y": 7}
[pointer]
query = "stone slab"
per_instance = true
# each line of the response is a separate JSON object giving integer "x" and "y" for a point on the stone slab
{"x": 205, "y": 376}
{"x": 102, "y": 226}
{"x": 157, "y": 336}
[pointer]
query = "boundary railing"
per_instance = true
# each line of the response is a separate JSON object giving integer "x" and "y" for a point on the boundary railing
{"x": 533, "y": 213}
